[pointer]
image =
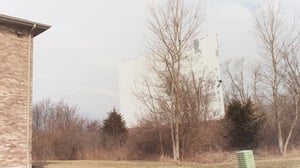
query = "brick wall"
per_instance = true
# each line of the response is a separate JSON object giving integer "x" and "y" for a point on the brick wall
{"x": 14, "y": 52}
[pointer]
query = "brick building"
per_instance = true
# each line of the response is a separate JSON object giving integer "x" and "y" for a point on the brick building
{"x": 16, "y": 44}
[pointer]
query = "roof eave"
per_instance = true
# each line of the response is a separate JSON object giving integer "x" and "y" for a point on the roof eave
{"x": 26, "y": 24}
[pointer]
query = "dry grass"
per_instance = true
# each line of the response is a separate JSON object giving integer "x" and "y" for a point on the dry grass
{"x": 215, "y": 157}
{"x": 263, "y": 159}
{"x": 279, "y": 163}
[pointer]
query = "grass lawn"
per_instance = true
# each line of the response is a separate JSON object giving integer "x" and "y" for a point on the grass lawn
{"x": 289, "y": 163}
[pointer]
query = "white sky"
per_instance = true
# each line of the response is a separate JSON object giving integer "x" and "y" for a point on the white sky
{"x": 77, "y": 58}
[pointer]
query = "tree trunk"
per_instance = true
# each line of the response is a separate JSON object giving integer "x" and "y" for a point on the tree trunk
{"x": 177, "y": 139}
{"x": 279, "y": 136}
{"x": 162, "y": 153}
{"x": 292, "y": 127}
{"x": 173, "y": 140}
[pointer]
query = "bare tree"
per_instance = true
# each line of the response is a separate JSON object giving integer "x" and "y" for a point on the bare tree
{"x": 243, "y": 80}
{"x": 291, "y": 79}
{"x": 274, "y": 35}
{"x": 237, "y": 86}
{"x": 57, "y": 130}
{"x": 269, "y": 27}
{"x": 40, "y": 125}
{"x": 256, "y": 83}
{"x": 173, "y": 27}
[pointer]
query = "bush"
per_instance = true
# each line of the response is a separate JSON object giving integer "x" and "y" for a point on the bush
{"x": 243, "y": 123}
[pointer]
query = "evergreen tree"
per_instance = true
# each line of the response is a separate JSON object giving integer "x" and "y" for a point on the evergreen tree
{"x": 114, "y": 130}
{"x": 243, "y": 124}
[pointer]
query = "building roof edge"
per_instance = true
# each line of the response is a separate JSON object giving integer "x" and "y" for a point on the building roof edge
{"x": 25, "y": 24}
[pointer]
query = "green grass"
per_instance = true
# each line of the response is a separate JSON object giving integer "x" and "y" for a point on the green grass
{"x": 290, "y": 163}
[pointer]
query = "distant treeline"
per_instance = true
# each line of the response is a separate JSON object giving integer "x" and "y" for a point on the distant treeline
{"x": 60, "y": 133}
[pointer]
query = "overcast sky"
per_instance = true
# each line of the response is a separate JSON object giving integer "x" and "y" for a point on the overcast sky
{"x": 77, "y": 58}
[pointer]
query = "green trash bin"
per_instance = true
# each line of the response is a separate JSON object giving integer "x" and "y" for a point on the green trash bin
{"x": 245, "y": 159}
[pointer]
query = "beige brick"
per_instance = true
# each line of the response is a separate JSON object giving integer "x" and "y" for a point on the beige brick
{"x": 16, "y": 45}
{"x": 14, "y": 81}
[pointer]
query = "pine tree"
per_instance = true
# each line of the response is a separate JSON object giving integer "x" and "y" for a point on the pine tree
{"x": 243, "y": 123}
{"x": 114, "y": 130}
